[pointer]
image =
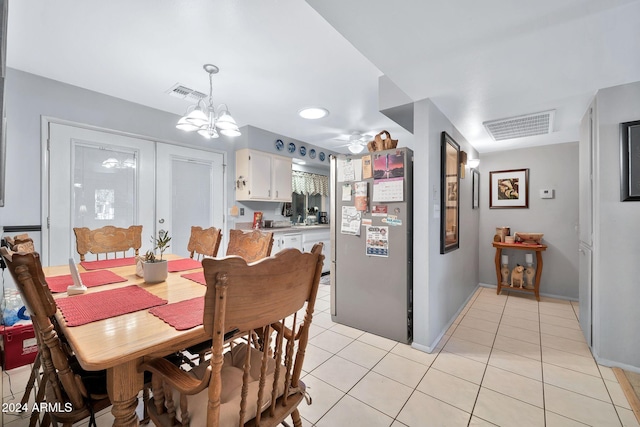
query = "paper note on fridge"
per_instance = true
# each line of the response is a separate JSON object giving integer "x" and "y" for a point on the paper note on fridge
{"x": 346, "y": 192}
{"x": 350, "y": 223}
{"x": 362, "y": 196}
{"x": 388, "y": 190}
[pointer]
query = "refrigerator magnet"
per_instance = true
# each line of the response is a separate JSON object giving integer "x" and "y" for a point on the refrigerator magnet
{"x": 379, "y": 210}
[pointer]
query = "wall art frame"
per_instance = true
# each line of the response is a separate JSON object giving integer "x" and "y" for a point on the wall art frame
{"x": 475, "y": 193}
{"x": 509, "y": 189}
{"x": 449, "y": 194}
{"x": 630, "y": 161}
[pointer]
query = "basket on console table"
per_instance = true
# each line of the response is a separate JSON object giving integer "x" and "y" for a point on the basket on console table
{"x": 528, "y": 238}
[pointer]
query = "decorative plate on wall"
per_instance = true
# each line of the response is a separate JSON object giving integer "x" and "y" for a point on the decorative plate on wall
{"x": 292, "y": 147}
{"x": 312, "y": 154}
{"x": 321, "y": 156}
{"x": 303, "y": 150}
{"x": 279, "y": 144}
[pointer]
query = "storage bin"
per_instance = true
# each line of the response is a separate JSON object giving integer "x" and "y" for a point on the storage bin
{"x": 20, "y": 345}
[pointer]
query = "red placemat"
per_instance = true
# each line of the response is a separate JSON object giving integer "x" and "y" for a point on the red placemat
{"x": 197, "y": 277}
{"x": 183, "y": 264}
{"x": 108, "y": 263}
{"x": 181, "y": 315}
{"x": 90, "y": 279}
{"x": 82, "y": 309}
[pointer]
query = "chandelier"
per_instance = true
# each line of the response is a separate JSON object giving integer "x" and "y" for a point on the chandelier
{"x": 207, "y": 119}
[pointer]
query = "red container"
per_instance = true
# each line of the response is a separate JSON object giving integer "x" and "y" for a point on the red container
{"x": 20, "y": 346}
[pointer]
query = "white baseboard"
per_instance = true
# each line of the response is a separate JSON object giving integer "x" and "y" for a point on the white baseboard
{"x": 434, "y": 344}
{"x": 544, "y": 294}
{"x": 613, "y": 364}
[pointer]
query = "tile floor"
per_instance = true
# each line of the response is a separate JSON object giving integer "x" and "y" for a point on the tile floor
{"x": 507, "y": 360}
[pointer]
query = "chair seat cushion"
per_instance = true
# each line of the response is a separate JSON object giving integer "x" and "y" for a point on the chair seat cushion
{"x": 95, "y": 382}
{"x": 232, "y": 374}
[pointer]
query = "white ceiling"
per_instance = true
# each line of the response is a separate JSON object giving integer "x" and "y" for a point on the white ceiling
{"x": 477, "y": 61}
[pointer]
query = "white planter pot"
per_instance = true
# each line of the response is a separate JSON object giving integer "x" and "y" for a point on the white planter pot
{"x": 155, "y": 272}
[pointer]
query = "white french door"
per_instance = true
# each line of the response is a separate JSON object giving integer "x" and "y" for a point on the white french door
{"x": 189, "y": 192}
{"x": 95, "y": 179}
{"x": 99, "y": 178}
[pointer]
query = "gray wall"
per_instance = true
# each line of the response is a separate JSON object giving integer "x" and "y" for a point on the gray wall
{"x": 617, "y": 236}
{"x": 551, "y": 166}
{"x": 441, "y": 283}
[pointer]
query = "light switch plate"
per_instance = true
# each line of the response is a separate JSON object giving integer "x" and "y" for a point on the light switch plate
{"x": 546, "y": 193}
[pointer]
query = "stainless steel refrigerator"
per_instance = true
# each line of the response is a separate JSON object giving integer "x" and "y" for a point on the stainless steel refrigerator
{"x": 372, "y": 242}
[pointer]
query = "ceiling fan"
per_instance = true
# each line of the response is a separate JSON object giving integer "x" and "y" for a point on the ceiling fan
{"x": 357, "y": 142}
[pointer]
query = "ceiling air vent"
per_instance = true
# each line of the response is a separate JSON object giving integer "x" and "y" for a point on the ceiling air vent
{"x": 521, "y": 126}
{"x": 183, "y": 92}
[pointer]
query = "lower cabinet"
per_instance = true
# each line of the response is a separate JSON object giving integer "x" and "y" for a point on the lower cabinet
{"x": 312, "y": 237}
{"x": 286, "y": 240}
{"x": 304, "y": 240}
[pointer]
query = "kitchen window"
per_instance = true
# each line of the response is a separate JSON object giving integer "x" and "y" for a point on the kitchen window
{"x": 310, "y": 194}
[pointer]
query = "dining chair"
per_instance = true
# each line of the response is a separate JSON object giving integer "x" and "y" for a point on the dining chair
{"x": 23, "y": 243}
{"x": 72, "y": 394}
{"x": 108, "y": 239}
{"x": 20, "y": 243}
{"x": 251, "y": 246}
{"x": 245, "y": 386}
{"x": 204, "y": 242}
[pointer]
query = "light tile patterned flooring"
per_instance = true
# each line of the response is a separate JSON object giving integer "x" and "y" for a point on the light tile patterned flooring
{"x": 507, "y": 360}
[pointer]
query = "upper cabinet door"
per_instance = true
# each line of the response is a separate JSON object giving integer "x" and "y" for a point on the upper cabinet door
{"x": 259, "y": 175}
{"x": 281, "y": 172}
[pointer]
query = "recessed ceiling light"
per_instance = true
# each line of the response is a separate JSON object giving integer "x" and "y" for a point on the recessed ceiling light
{"x": 313, "y": 113}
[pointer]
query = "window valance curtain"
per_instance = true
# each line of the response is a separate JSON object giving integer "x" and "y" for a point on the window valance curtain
{"x": 310, "y": 183}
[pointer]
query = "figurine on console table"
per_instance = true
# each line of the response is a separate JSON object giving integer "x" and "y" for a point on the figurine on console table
{"x": 516, "y": 277}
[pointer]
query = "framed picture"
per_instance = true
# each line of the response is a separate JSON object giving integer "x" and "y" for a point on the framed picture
{"x": 630, "y": 161}
{"x": 509, "y": 189}
{"x": 449, "y": 194}
{"x": 475, "y": 196}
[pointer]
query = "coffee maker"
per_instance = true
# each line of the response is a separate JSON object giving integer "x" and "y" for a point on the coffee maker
{"x": 323, "y": 218}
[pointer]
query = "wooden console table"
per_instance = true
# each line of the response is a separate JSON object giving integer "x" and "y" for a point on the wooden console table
{"x": 538, "y": 249}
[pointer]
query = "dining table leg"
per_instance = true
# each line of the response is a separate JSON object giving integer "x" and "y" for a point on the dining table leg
{"x": 123, "y": 384}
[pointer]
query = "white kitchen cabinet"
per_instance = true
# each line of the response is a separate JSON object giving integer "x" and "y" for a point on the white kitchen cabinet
{"x": 281, "y": 178}
{"x": 283, "y": 241}
{"x": 303, "y": 239}
{"x": 262, "y": 176}
{"x": 311, "y": 237}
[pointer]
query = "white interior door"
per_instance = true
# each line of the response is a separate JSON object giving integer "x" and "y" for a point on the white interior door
{"x": 189, "y": 192}
{"x": 95, "y": 179}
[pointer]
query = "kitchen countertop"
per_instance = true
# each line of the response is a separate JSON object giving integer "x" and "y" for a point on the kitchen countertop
{"x": 295, "y": 228}
{"x": 298, "y": 228}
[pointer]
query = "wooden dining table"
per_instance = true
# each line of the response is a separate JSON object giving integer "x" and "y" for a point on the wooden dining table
{"x": 120, "y": 344}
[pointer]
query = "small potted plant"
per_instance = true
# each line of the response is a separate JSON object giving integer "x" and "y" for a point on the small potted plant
{"x": 155, "y": 269}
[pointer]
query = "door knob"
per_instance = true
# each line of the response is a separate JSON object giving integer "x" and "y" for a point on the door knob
{"x": 161, "y": 220}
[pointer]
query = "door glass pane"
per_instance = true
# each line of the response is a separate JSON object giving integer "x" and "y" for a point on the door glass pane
{"x": 191, "y": 201}
{"x": 104, "y": 187}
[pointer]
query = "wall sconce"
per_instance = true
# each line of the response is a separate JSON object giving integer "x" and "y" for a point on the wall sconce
{"x": 463, "y": 163}
{"x": 473, "y": 163}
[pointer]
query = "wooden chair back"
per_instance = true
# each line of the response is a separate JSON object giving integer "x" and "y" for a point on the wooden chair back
{"x": 64, "y": 382}
{"x": 108, "y": 239}
{"x": 21, "y": 243}
{"x": 252, "y": 246}
{"x": 246, "y": 386}
{"x": 204, "y": 242}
